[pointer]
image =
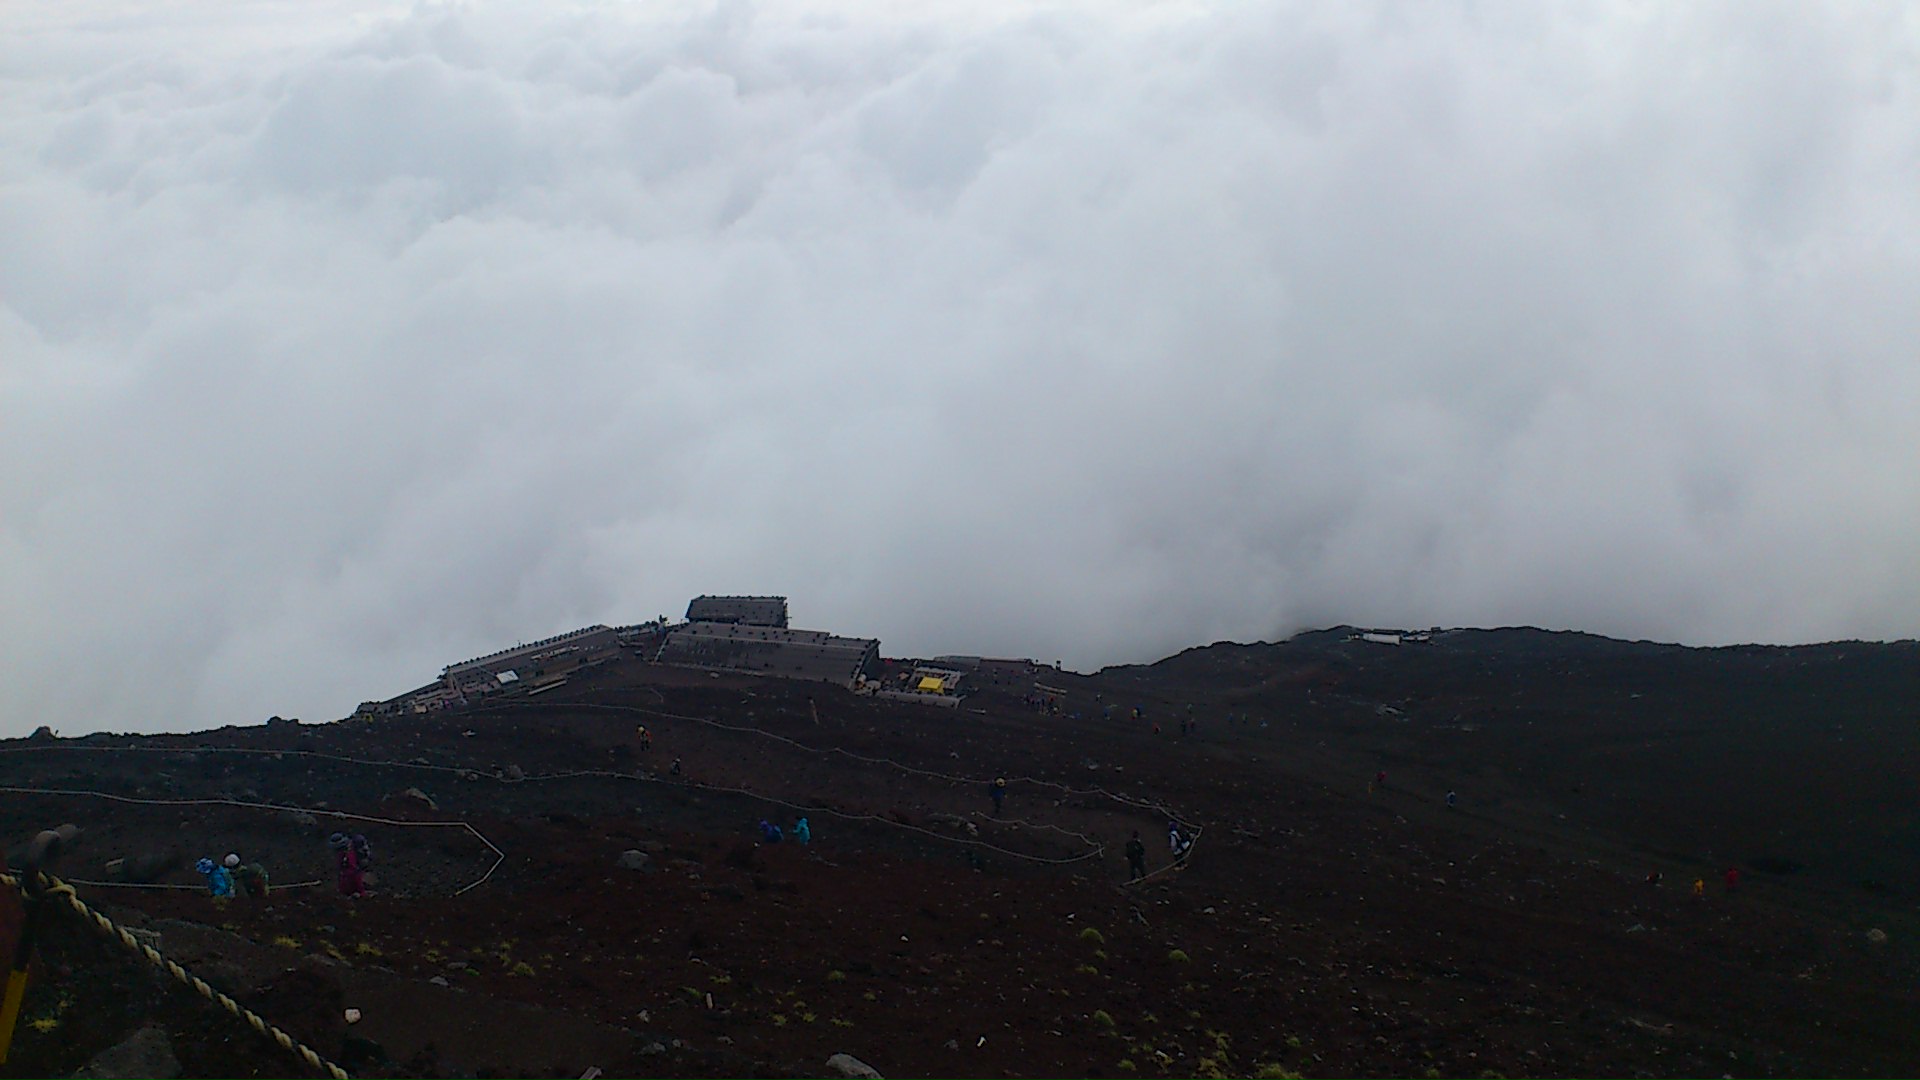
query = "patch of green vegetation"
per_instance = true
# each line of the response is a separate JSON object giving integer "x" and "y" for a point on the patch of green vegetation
{"x": 1178, "y": 956}
{"x": 1213, "y": 1068}
{"x": 1099, "y": 954}
{"x": 368, "y": 948}
{"x": 836, "y": 975}
{"x": 721, "y": 979}
{"x": 871, "y": 996}
{"x": 808, "y": 1018}
{"x": 1087, "y": 969}
{"x": 1095, "y": 936}
{"x": 1103, "y": 1018}
{"x": 779, "y": 1019}
{"x": 521, "y": 968}
{"x": 1126, "y": 1065}
{"x": 698, "y": 995}
{"x": 286, "y": 942}
{"x": 1294, "y": 1043}
{"x": 837, "y": 1022}
{"x": 1273, "y": 1070}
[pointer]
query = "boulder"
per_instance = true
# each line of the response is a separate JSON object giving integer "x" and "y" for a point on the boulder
{"x": 635, "y": 860}
{"x": 42, "y": 734}
{"x": 147, "y": 1053}
{"x": 516, "y": 773}
{"x": 1877, "y": 936}
{"x": 419, "y": 796}
{"x": 848, "y": 1065}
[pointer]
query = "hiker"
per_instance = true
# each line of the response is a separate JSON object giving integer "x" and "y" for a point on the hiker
{"x": 1733, "y": 879}
{"x": 1700, "y": 888}
{"x": 769, "y": 832}
{"x": 353, "y": 882}
{"x": 219, "y": 882}
{"x": 1178, "y": 842}
{"x": 1380, "y": 779}
{"x": 1136, "y": 857}
{"x": 249, "y": 879}
{"x": 1156, "y": 727}
{"x": 675, "y": 770}
{"x": 1452, "y": 800}
{"x": 802, "y": 832}
{"x": 999, "y": 793}
{"x": 646, "y": 739}
{"x": 1653, "y": 878}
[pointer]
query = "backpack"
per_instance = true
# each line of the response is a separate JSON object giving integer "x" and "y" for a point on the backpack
{"x": 361, "y": 852}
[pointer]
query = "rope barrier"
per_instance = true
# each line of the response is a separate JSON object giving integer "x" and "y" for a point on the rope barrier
{"x": 57, "y": 887}
{"x": 499, "y": 856}
{"x": 165, "y": 885}
{"x": 1160, "y": 809}
{"x": 1095, "y": 848}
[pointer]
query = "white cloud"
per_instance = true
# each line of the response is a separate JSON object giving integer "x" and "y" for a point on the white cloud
{"x": 336, "y": 345}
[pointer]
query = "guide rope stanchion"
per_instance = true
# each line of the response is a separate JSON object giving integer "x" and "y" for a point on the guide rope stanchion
{"x": 54, "y": 887}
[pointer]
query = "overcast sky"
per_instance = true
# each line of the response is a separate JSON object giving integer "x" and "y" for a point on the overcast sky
{"x": 340, "y": 342}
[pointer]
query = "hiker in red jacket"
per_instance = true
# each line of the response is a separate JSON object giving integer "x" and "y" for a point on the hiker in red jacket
{"x": 353, "y": 883}
{"x": 1733, "y": 879}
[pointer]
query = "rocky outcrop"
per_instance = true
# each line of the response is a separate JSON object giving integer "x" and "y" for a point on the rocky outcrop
{"x": 147, "y": 1053}
{"x": 848, "y": 1065}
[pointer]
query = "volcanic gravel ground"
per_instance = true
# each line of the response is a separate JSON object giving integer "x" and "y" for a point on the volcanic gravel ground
{"x": 1321, "y": 928}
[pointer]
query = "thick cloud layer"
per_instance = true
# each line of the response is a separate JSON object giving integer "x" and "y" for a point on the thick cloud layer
{"x": 340, "y": 344}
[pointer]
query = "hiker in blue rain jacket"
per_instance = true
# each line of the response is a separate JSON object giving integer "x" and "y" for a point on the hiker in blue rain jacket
{"x": 219, "y": 882}
{"x": 802, "y": 834}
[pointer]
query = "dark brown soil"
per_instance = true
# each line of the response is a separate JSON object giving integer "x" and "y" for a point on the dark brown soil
{"x": 1321, "y": 928}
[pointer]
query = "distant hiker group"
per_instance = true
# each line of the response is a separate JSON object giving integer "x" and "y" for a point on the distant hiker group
{"x": 229, "y": 875}
{"x": 771, "y": 833}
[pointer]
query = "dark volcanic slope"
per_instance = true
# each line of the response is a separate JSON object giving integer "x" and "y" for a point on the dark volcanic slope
{"x": 1786, "y": 759}
{"x": 1321, "y": 928}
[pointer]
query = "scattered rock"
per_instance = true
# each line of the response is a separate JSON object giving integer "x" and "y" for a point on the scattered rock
{"x": 516, "y": 773}
{"x": 304, "y": 819}
{"x": 43, "y": 733}
{"x": 419, "y": 796}
{"x": 651, "y": 1049}
{"x": 439, "y": 980}
{"x": 636, "y": 860}
{"x": 1877, "y": 936}
{"x": 143, "y": 869}
{"x": 147, "y": 1053}
{"x": 848, "y": 1065}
